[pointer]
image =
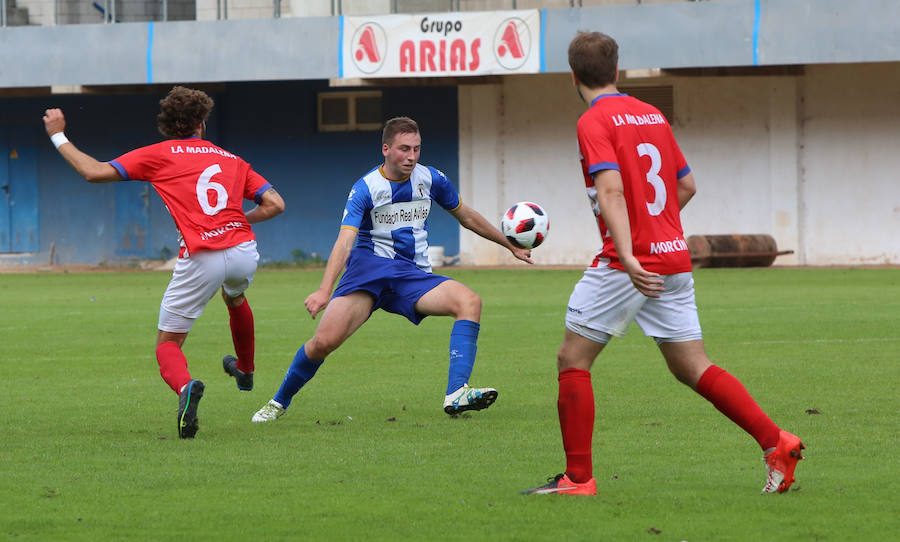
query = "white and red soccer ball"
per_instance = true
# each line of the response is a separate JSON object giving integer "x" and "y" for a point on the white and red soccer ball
{"x": 525, "y": 224}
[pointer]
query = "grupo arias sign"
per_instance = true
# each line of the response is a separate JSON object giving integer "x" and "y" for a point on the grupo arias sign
{"x": 441, "y": 44}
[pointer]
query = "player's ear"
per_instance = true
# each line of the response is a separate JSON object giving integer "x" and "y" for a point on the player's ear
{"x": 574, "y": 78}
{"x": 384, "y": 149}
{"x": 616, "y": 81}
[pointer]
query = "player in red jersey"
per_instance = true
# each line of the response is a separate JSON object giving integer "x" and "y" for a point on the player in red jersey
{"x": 203, "y": 187}
{"x": 638, "y": 182}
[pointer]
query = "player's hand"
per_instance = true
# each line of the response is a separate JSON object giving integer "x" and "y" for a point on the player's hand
{"x": 54, "y": 121}
{"x": 523, "y": 254}
{"x": 649, "y": 284}
{"x": 316, "y": 302}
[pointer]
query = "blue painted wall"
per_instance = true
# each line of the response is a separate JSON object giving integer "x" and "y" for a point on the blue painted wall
{"x": 272, "y": 125}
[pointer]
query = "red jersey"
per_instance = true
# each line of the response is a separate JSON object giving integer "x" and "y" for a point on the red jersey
{"x": 202, "y": 185}
{"x": 623, "y": 133}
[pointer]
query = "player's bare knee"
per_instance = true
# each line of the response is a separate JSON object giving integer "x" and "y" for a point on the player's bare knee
{"x": 564, "y": 361}
{"x": 471, "y": 307}
{"x": 320, "y": 346}
{"x": 689, "y": 373}
{"x": 466, "y": 305}
{"x": 683, "y": 377}
{"x": 233, "y": 302}
{"x": 168, "y": 336}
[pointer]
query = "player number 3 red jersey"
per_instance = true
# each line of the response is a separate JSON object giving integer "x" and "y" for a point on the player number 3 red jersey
{"x": 625, "y": 134}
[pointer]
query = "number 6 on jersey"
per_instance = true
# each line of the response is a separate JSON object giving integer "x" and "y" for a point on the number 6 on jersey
{"x": 204, "y": 184}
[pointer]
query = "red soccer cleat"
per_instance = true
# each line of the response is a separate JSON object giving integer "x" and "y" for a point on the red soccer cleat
{"x": 562, "y": 485}
{"x": 781, "y": 462}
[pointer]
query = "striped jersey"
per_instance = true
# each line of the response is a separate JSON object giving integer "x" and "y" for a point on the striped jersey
{"x": 391, "y": 216}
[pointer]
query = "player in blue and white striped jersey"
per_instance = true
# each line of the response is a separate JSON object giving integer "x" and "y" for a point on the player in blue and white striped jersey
{"x": 390, "y": 216}
{"x": 383, "y": 242}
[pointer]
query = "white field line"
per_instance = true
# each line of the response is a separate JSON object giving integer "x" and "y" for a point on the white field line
{"x": 825, "y": 341}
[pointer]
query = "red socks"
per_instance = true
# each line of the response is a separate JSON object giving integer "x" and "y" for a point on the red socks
{"x": 242, "y": 334}
{"x": 172, "y": 365}
{"x": 576, "y": 419}
{"x": 728, "y": 395}
{"x": 576, "y": 414}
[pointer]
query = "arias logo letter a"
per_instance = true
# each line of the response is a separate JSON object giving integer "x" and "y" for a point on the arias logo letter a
{"x": 512, "y": 43}
{"x": 509, "y": 42}
{"x": 367, "y": 47}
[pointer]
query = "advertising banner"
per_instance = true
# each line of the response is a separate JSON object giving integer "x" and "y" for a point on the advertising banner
{"x": 441, "y": 44}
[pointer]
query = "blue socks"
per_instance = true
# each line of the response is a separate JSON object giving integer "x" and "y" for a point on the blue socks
{"x": 301, "y": 371}
{"x": 463, "y": 345}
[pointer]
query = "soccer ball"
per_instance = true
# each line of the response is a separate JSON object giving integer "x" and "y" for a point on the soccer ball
{"x": 525, "y": 224}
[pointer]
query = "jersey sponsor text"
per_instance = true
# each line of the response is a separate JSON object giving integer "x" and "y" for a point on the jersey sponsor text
{"x": 664, "y": 247}
{"x": 407, "y": 214}
{"x": 219, "y": 231}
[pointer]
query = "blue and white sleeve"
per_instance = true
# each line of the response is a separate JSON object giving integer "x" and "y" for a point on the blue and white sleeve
{"x": 359, "y": 202}
{"x": 442, "y": 190}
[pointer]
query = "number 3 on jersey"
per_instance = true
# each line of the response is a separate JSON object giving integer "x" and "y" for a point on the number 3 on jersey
{"x": 648, "y": 149}
{"x": 204, "y": 184}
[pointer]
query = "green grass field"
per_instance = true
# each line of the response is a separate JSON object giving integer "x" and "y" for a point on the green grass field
{"x": 90, "y": 450}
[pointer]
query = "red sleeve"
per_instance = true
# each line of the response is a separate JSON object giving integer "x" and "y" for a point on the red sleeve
{"x": 681, "y": 164}
{"x": 139, "y": 164}
{"x": 254, "y": 185}
{"x": 596, "y": 147}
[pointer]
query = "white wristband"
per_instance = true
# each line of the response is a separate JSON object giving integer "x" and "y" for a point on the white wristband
{"x": 58, "y": 139}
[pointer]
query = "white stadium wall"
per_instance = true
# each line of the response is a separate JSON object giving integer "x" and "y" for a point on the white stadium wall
{"x": 851, "y": 160}
{"x": 517, "y": 142}
{"x": 739, "y": 134}
{"x": 810, "y": 159}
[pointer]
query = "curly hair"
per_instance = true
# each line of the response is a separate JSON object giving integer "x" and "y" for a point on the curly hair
{"x": 181, "y": 111}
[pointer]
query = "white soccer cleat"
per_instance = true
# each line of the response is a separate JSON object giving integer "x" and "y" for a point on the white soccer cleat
{"x": 466, "y": 398}
{"x": 268, "y": 413}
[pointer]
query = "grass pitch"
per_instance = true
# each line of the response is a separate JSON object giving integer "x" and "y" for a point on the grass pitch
{"x": 90, "y": 449}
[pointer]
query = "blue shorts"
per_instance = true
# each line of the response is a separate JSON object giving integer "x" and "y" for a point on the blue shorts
{"x": 395, "y": 285}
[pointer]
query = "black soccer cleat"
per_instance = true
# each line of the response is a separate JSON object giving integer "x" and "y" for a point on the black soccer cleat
{"x": 188, "y": 400}
{"x": 244, "y": 380}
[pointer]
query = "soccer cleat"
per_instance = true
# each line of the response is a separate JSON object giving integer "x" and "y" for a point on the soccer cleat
{"x": 562, "y": 485}
{"x": 466, "y": 398}
{"x": 244, "y": 380}
{"x": 188, "y": 400}
{"x": 268, "y": 413}
{"x": 781, "y": 462}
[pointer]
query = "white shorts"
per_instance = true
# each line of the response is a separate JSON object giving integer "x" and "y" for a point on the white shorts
{"x": 604, "y": 302}
{"x": 196, "y": 280}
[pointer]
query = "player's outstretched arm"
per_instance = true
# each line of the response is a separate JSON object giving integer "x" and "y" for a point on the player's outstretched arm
{"x": 318, "y": 300}
{"x": 87, "y": 166}
{"x": 472, "y": 220}
{"x": 271, "y": 205}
